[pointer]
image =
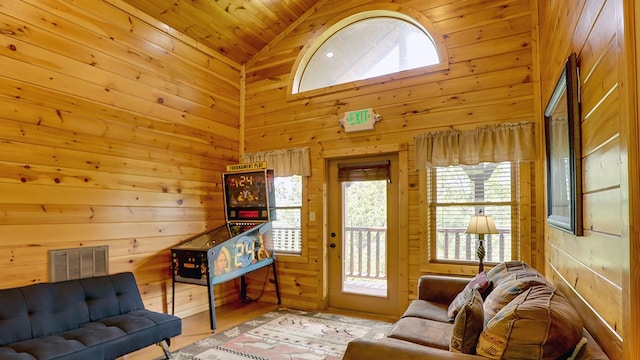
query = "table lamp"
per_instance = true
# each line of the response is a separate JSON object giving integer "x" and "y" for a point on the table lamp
{"x": 481, "y": 224}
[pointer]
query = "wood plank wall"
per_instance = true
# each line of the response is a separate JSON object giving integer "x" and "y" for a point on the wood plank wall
{"x": 112, "y": 132}
{"x": 592, "y": 266}
{"x": 490, "y": 80}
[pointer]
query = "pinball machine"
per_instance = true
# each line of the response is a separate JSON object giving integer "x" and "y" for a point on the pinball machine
{"x": 242, "y": 245}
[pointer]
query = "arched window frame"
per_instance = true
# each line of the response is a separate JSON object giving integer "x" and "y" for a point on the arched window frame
{"x": 330, "y": 29}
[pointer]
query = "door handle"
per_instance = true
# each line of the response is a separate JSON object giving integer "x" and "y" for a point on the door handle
{"x": 332, "y": 245}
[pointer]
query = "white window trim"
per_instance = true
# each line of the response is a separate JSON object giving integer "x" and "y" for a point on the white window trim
{"x": 302, "y": 256}
{"x": 522, "y": 239}
{"x": 411, "y": 16}
{"x": 300, "y": 207}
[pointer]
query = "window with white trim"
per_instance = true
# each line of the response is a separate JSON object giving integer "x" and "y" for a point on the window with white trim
{"x": 459, "y": 192}
{"x": 287, "y": 227}
{"x": 363, "y": 46}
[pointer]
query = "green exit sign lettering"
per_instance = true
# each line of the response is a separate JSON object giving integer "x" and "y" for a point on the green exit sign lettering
{"x": 359, "y": 120}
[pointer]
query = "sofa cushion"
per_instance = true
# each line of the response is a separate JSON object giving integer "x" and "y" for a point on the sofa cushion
{"x": 480, "y": 282}
{"x": 14, "y": 317}
{"x": 502, "y": 270}
{"x": 423, "y": 332}
{"x": 538, "y": 324}
{"x": 142, "y": 327}
{"x": 126, "y": 289}
{"x": 56, "y": 347}
{"x": 468, "y": 324}
{"x": 8, "y": 353}
{"x": 507, "y": 289}
{"x": 100, "y": 297}
{"x": 427, "y": 310}
{"x": 69, "y": 308}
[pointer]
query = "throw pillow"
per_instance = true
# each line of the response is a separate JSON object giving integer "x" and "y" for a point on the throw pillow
{"x": 510, "y": 287}
{"x": 480, "y": 282}
{"x": 468, "y": 324}
{"x": 502, "y": 270}
{"x": 538, "y": 324}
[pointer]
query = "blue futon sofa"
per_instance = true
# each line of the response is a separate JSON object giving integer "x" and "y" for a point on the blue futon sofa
{"x": 92, "y": 318}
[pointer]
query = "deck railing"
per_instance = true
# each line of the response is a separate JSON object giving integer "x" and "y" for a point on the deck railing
{"x": 455, "y": 244}
{"x": 369, "y": 262}
{"x": 365, "y": 248}
{"x": 365, "y": 252}
{"x": 287, "y": 240}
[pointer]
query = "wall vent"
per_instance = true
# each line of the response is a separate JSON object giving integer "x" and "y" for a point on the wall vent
{"x": 70, "y": 264}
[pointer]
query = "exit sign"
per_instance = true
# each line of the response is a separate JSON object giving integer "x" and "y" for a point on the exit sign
{"x": 359, "y": 120}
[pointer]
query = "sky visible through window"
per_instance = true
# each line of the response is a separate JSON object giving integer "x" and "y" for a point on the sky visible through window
{"x": 368, "y": 48}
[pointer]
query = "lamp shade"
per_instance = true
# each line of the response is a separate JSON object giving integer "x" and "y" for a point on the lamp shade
{"x": 481, "y": 224}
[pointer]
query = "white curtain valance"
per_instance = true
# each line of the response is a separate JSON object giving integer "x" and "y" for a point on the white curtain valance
{"x": 285, "y": 162}
{"x": 491, "y": 143}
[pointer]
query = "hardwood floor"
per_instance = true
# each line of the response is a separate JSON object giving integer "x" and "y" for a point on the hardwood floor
{"x": 197, "y": 327}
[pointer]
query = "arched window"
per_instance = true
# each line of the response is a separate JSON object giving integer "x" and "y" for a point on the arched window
{"x": 364, "y": 46}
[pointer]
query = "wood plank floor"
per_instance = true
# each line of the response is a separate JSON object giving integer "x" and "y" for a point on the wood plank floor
{"x": 197, "y": 327}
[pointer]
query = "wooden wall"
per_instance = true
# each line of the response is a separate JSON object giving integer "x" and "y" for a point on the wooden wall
{"x": 592, "y": 266}
{"x": 112, "y": 131}
{"x": 490, "y": 80}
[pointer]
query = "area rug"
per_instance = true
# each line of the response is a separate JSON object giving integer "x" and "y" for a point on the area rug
{"x": 285, "y": 334}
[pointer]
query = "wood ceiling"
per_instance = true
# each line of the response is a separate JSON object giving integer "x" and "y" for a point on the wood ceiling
{"x": 239, "y": 29}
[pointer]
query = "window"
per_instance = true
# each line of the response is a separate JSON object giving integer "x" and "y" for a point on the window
{"x": 364, "y": 46}
{"x": 287, "y": 228}
{"x": 459, "y": 192}
{"x": 290, "y": 166}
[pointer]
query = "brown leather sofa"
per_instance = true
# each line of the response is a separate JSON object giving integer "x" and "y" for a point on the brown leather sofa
{"x": 425, "y": 329}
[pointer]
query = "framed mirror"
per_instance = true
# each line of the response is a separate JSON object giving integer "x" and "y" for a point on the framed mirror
{"x": 563, "y": 152}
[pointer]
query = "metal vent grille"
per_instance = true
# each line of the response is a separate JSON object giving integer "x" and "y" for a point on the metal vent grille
{"x": 70, "y": 264}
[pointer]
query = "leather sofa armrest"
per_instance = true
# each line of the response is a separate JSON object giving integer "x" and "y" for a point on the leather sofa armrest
{"x": 389, "y": 348}
{"x": 591, "y": 350}
{"x": 440, "y": 289}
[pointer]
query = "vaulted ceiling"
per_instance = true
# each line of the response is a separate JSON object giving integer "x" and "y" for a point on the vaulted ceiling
{"x": 238, "y": 29}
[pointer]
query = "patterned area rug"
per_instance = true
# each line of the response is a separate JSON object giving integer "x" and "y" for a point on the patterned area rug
{"x": 285, "y": 334}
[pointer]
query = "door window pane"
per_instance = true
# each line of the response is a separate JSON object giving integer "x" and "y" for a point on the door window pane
{"x": 365, "y": 237}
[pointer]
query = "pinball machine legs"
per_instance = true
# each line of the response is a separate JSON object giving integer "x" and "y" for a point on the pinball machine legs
{"x": 243, "y": 289}
{"x": 243, "y": 294}
{"x": 212, "y": 307}
{"x": 275, "y": 280}
{"x": 243, "y": 284}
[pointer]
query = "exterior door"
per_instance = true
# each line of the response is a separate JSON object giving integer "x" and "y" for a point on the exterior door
{"x": 362, "y": 245}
